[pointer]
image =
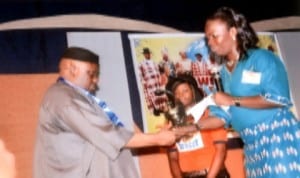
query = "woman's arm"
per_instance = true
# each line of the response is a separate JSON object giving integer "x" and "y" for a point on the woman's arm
{"x": 255, "y": 102}
{"x": 210, "y": 123}
{"x": 203, "y": 124}
{"x": 218, "y": 160}
{"x": 174, "y": 163}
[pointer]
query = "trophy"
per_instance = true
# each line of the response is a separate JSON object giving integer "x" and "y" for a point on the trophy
{"x": 215, "y": 71}
{"x": 177, "y": 115}
{"x": 218, "y": 81}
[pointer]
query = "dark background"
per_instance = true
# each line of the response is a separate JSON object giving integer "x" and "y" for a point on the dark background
{"x": 185, "y": 15}
{"x": 38, "y": 50}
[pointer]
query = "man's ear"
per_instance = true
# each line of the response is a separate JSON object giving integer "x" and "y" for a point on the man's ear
{"x": 73, "y": 69}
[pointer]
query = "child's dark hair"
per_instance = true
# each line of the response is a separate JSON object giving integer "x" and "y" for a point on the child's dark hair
{"x": 179, "y": 79}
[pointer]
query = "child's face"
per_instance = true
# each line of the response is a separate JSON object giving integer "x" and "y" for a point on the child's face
{"x": 184, "y": 94}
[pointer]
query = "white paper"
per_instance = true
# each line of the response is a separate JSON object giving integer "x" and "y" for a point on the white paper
{"x": 198, "y": 110}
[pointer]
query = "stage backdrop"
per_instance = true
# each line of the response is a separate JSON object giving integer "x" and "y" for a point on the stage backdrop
{"x": 172, "y": 46}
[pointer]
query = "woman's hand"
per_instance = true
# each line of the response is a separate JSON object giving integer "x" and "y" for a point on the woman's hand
{"x": 184, "y": 131}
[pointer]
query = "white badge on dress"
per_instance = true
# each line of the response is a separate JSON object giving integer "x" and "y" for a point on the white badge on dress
{"x": 191, "y": 143}
{"x": 251, "y": 77}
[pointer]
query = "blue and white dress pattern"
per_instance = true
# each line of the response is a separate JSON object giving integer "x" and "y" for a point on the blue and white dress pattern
{"x": 271, "y": 136}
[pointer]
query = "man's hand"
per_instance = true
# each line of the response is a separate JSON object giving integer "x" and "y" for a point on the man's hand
{"x": 7, "y": 162}
{"x": 166, "y": 137}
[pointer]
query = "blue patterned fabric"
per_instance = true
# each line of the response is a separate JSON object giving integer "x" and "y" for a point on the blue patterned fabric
{"x": 271, "y": 136}
{"x": 272, "y": 148}
{"x": 111, "y": 115}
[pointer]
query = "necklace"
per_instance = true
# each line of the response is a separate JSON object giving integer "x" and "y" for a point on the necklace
{"x": 234, "y": 59}
{"x": 231, "y": 63}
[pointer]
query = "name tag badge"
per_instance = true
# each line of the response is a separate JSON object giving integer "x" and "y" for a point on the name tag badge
{"x": 251, "y": 77}
{"x": 189, "y": 144}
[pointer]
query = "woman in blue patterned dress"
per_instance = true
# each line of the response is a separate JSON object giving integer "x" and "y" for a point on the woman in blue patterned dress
{"x": 256, "y": 90}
